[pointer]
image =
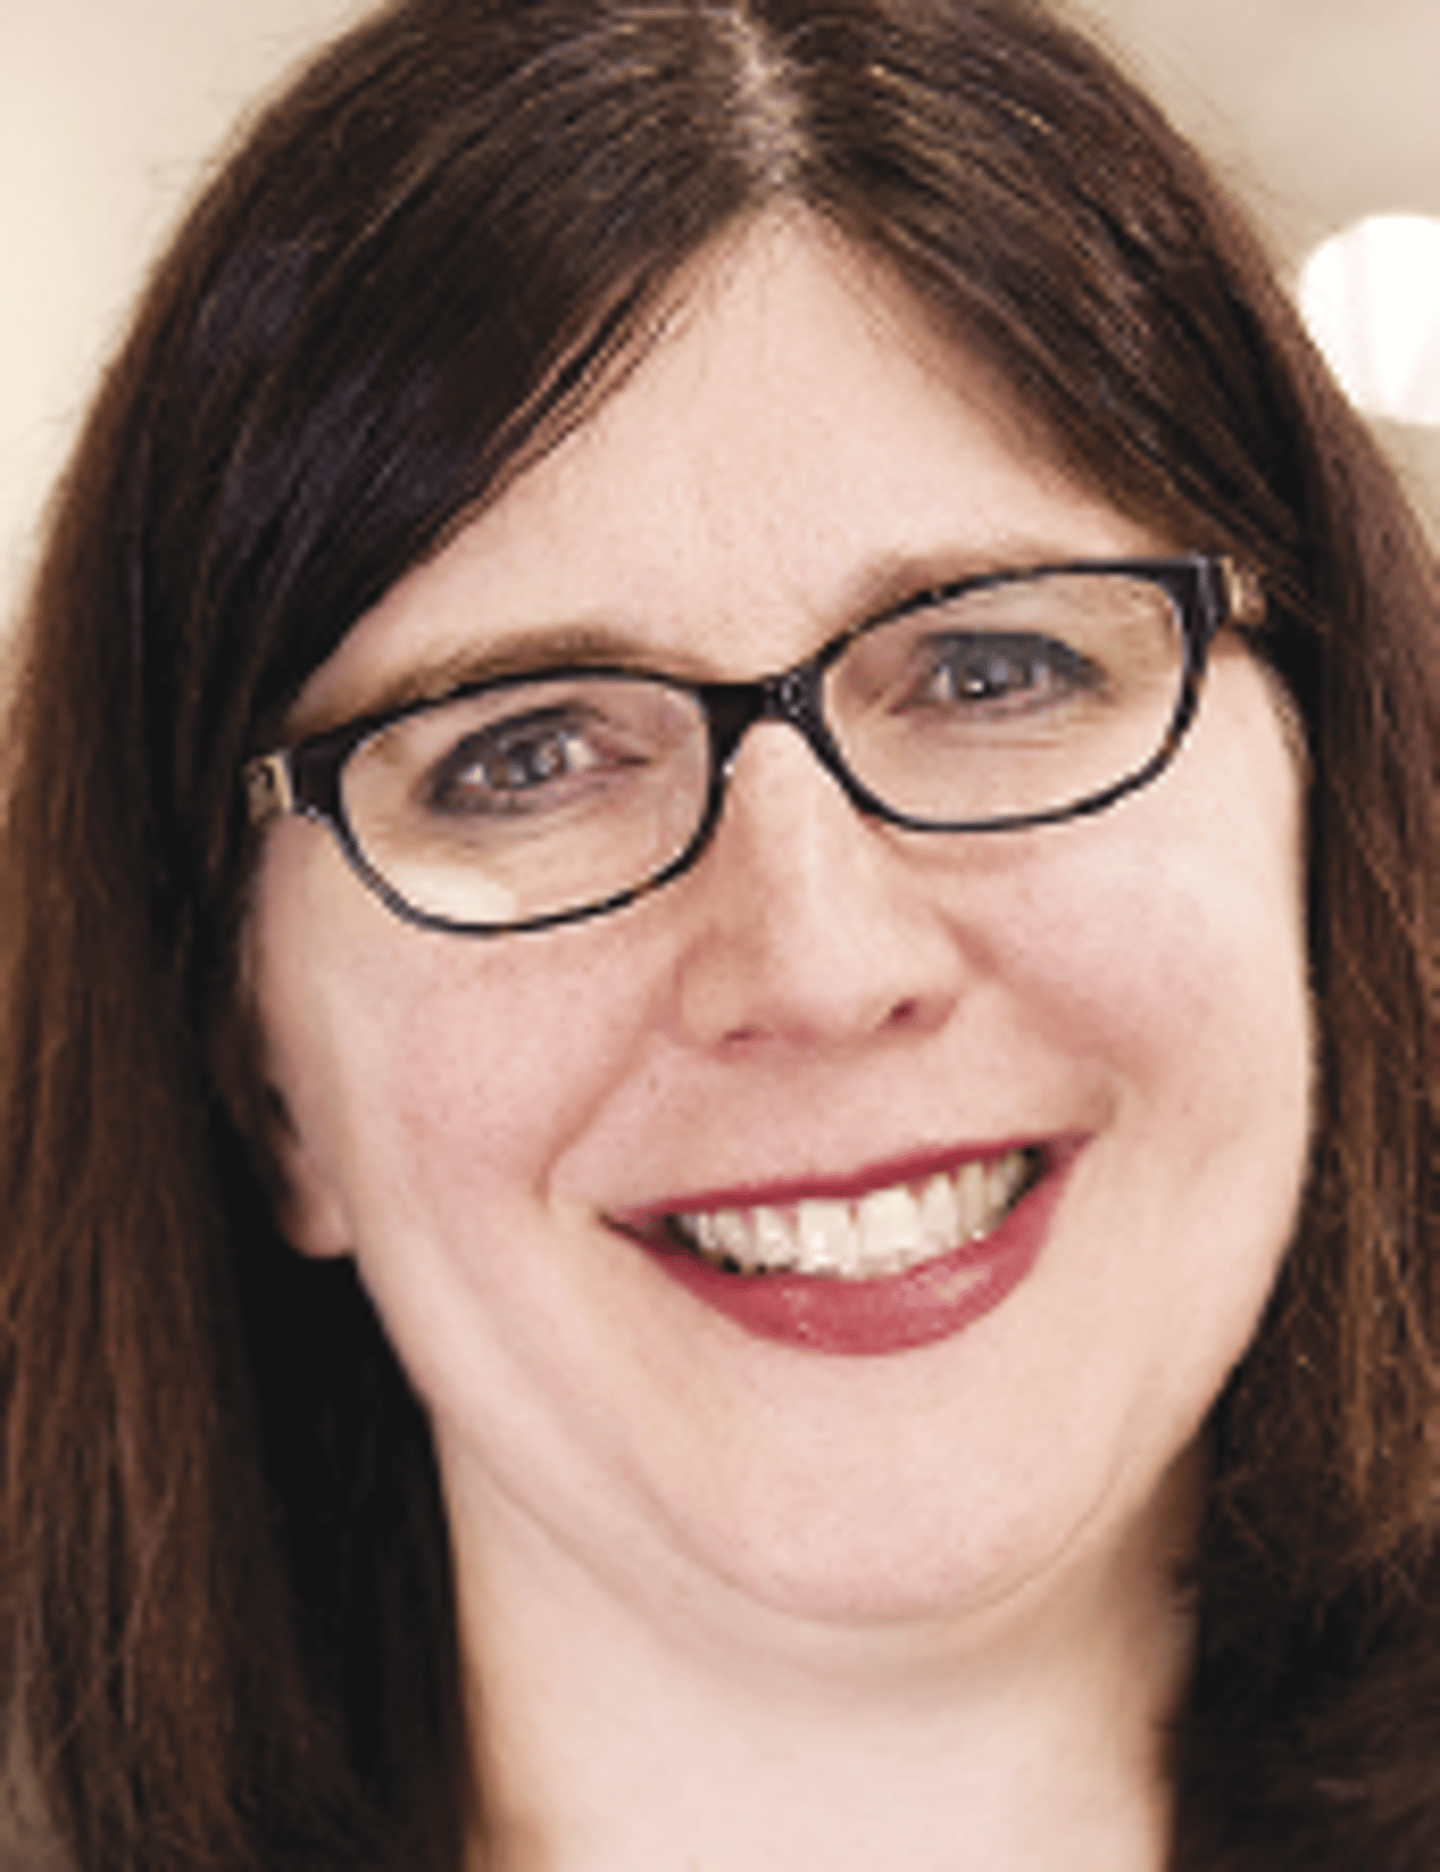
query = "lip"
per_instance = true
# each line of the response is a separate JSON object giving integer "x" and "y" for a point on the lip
{"x": 867, "y": 1318}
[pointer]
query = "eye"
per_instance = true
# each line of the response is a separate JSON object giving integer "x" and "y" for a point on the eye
{"x": 526, "y": 763}
{"x": 994, "y": 672}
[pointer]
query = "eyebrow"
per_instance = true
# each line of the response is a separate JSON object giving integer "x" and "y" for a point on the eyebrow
{"x": 517, "y": 653}
{"x": 887, "y": 584}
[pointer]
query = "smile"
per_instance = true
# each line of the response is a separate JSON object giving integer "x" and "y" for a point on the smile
{"x": 896, "y": 1257}
{"x": 885, "y": 1232}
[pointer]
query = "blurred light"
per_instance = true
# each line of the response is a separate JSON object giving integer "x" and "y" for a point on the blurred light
{"x": 1371, "y": 298}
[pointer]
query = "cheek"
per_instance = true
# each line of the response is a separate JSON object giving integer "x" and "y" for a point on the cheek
{"x": 496, "y": 1063}
{"x": 1168, "y": 936}
{"x": 1161, "y": 950}
{"x": 1164, "y": 961}
{"x": 1180, "y": 967}
{"x": 422, "y": 1072}
{"x": 1190, "y": 991}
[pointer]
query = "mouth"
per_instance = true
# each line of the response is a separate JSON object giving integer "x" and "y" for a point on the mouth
{"x": 900, "y": 1256}
{"x": 885, "y": 1232}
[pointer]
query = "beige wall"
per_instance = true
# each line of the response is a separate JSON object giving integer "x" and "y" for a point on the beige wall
{"x": 1319, "y": 112}
{"x": 109, "y": 110}
{"x": 1322, "y": 110}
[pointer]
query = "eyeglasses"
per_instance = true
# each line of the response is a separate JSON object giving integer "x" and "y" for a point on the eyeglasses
{"x": 1010, "y": 700}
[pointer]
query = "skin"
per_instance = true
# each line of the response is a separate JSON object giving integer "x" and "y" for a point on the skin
{"x": 912, "y": 1609}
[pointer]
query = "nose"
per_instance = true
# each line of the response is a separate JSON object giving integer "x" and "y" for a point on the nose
{"x": 813, "y": 927}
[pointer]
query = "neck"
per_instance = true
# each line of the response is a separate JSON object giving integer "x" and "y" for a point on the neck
{"x": 1028, "y": 1739}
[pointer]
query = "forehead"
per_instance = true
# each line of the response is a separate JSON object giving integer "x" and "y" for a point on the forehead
{"x": 798, "y": 448}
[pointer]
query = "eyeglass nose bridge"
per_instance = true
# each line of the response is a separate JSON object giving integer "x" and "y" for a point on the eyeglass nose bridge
{"x": 793, "y": 697}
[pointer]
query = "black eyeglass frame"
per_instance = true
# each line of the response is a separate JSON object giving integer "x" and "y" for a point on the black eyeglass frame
{"x": 1206, "y": 591}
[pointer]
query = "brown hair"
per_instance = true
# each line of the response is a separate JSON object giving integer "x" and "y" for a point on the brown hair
{"x": 225, "y": 1615}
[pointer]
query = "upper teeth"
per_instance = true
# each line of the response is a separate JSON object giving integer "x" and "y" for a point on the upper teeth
{"x": 885, "y": 1232}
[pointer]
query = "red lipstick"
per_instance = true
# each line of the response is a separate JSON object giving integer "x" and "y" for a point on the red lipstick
{"x": 873, "y": 1316}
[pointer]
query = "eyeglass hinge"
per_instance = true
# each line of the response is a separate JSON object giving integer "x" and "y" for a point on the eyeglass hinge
{"x": 1244, "y": 594}
{"x": 268, "y": 788}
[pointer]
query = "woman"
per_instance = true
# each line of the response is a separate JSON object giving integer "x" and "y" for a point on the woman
{"x": 615, "y": 1259}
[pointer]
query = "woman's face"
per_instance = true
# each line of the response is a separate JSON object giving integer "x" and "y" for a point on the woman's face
{"x": 821, "y": 1008}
